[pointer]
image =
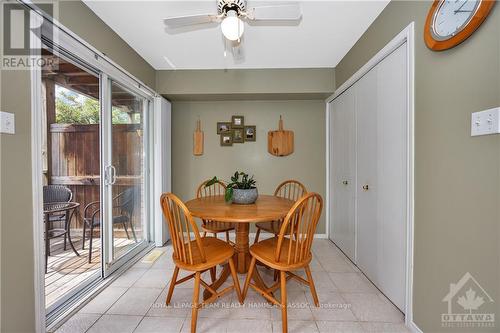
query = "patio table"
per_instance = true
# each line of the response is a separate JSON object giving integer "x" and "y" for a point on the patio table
{"x": 52, "y": 208}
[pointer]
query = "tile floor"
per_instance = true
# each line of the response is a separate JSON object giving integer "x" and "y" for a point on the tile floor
{"x": 135, "y": 303}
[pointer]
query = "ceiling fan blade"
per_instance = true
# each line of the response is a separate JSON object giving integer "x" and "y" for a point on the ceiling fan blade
{"x": 182, "y": 21}
{"x": 276, "y": 13}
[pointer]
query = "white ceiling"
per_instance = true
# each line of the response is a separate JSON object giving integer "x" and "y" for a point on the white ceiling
{"x": 327, "y": 31}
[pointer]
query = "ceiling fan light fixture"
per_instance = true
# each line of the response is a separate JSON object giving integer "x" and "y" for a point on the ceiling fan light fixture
{"x": 232, "y": 26}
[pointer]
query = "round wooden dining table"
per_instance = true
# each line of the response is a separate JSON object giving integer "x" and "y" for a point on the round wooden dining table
{"x": 266, "y": 208}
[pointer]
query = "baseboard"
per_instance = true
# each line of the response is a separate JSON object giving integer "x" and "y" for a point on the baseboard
{"x": 413, "y": 327}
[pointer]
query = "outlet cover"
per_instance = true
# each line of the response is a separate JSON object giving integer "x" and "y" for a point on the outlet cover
{"x": 485, "y": 122}
{"x": 7, "y": 123}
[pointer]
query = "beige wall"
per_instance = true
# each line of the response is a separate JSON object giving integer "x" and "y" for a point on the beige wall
{"x": 244, "y": 84}
{"x": 307, "y": 164}
{"x": 457, "y": 177}
{"x": 17, "y": 277}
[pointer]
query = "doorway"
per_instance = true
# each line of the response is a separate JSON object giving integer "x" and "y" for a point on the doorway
{"x": 96, "y": 159}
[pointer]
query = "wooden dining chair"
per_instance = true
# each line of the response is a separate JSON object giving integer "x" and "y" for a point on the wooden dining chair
{"x": 289, "y": 189}
{"x": 288, "y": 252}
{"x": 214, "y": 227}
{"x": 195, "y": 254}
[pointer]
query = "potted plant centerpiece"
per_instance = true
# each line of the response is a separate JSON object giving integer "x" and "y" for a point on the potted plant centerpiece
{"x": 241, "y": 190}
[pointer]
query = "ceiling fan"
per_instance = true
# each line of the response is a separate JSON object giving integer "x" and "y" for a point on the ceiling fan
{"x": 231, "y": 15}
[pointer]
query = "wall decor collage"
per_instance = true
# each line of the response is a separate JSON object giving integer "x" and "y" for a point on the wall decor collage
{"x": 235, "y": 131}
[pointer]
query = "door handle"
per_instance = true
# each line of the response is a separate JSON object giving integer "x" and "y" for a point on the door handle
{"x": 366, "y": 187}
{"x": 113, "y": 175}
{"x": 345, "y": 182}
{"x": 110, "y": 176}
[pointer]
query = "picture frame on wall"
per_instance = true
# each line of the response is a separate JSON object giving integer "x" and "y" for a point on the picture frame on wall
{"x": 237, "y": 122}
{"x": 239, "y": 135}
{"x": 223, "y": 127}
{"x": 226, "y": 139}
{"x": 250, "y": 133}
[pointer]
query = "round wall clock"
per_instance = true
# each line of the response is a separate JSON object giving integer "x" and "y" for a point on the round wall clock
{"x": 450, "y": 22}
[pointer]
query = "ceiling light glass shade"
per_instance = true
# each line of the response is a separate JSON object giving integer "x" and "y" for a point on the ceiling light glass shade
{"x": 232, "y": 27}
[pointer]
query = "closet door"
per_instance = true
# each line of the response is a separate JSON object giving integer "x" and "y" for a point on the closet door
{"x": 367, "y": 257}
{"x": 392, "y": 175}
{"x": 342, "y": 172}
{"x": 381, "y": 108}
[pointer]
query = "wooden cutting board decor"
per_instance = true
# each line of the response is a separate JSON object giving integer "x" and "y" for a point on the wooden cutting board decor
{"x": 280, "y": 142}
{"x": 198, "y": 140}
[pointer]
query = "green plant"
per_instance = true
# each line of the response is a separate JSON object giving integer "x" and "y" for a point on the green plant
{"x": 244, "y": 184}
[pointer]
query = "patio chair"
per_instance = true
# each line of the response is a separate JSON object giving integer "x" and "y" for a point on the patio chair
{"x": 123, "y": 204}
{"x": 57, "y": 193}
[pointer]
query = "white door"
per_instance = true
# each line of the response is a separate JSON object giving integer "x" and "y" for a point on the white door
{"x": 126, "y": 136}
{"x": 381, "y": 108}
{"x": 367, "y": 186}
{"x": 342, "y": 172}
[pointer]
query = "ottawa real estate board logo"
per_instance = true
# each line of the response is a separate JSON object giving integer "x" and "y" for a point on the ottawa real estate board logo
{"x": 469, "y": 305}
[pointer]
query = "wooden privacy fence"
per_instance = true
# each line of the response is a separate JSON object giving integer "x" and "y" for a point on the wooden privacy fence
{"x": 75, "y": 160}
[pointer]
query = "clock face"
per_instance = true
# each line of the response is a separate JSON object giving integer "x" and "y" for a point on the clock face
{"x": 452, "y": 16}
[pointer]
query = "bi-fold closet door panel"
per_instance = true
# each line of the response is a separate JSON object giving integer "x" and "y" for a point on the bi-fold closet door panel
{"x": 342, "y": 172}
{"x": 381, "y": 108}
{"x": 377, "y": 106}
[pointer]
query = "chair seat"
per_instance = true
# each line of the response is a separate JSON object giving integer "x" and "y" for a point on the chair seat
{"x": 272, "y": 227}
{"x": 217, "y": 252}
{"x": 116, "y": 219}
{"x": 264, "y": 252}
{"x": 214, "y": 226}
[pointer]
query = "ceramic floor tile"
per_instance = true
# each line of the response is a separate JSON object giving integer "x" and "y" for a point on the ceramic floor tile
{"x": 160, "y": 325}
{"x": 372, "y": 307}
{"x": 79, "y": 323}
{"x": 298, "y": 307}
{"x": 332, "y": 307}
{"x": 180, "y": 304}
{"x": 254, "y": 307}
{"x": 128, "y": 278}
{"x": 337, "y": 266}
{"x": 315, "y": 265}
{"x": 154, "y": 278}
{"x": 296, "y": 326}
{"x": 205, "y": 325}
{"x": 136, "y": 301}
{"x": 353, "y": 282}
{"x": 115, "y": 324}
{"x": 339, "y": 327}
{"x": 102, "y": 302}
{"x": 322, "y": 281}
{"x": 249, "y": 325}
{"x": 385, "y": 328}
{"x": 164, "y": 262}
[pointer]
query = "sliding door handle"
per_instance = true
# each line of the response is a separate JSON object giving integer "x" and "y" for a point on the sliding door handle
{"x": 345, "y": 182}
{"x": 113, "y": 175}
{"x": 366, "y": 187}
{"x": 110, "y": 175}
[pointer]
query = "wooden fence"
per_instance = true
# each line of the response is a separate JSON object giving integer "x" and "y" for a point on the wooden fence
{"x": 75, "y": 160}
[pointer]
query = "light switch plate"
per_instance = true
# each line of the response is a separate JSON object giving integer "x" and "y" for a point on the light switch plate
{"x": 7, "y": 123}
{"x": 485, "y": 122}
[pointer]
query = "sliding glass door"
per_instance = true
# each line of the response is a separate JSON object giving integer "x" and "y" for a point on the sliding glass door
{"x": 126, "y": 166}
